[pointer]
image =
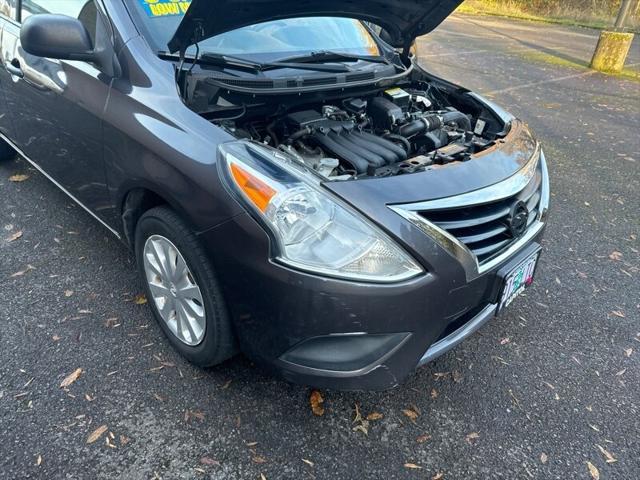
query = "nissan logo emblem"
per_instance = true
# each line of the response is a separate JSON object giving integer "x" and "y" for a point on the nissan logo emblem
{"x": 518, "y": 219}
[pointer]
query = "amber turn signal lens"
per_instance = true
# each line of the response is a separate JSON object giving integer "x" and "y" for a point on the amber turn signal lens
{"x": 255, "y": 189}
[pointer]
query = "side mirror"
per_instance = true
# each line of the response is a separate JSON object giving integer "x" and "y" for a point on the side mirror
{"x": 57, "y": 36}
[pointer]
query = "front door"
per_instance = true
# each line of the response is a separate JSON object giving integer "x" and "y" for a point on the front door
{"x": 56, "y": 107}
{"x": 7, "y": 13}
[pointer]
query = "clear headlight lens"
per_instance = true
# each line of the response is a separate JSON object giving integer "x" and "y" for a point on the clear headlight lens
{"x": 314, "y": 232}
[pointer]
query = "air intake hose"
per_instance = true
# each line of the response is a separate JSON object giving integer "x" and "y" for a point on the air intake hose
{"x": 459, "y": 118}
{"x": 424, "y": 124}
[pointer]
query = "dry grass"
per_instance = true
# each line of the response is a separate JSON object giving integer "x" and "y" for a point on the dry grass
{"x": 589, "y": 13}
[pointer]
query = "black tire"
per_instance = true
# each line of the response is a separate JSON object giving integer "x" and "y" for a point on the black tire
{"x": 6, "y": 152}
{"x": 219, "y": 342}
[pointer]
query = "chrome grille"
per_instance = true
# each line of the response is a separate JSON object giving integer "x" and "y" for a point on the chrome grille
{"x": 484, "y": 229}
{"x": 477, "y": 218}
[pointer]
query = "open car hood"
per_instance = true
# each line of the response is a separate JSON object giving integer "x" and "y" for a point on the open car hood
{"x": 404, "y": 20}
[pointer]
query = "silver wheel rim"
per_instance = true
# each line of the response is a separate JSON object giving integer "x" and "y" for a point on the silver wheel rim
{"x": 175, "y": 292}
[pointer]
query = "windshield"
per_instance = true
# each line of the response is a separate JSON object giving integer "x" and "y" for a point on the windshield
{"x": 265, "y": 41}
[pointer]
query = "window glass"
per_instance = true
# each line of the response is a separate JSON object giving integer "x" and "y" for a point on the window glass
{"x": 84, "y": 10}
{"x": 266, "y": 41}
{"x": 8, "y": 8}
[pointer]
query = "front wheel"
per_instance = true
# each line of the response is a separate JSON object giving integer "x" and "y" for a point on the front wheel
{"x": 182, "y": 288}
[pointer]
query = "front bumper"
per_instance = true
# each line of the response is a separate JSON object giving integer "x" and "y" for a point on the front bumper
{"x": 331, "y": 333}
{"x": 356, "y": 336}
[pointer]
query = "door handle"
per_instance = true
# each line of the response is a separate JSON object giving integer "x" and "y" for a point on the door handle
{"x": 14, "y": 68}
{"x": 26, "y": 74}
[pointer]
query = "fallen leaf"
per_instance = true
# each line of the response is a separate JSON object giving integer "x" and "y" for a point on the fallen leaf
{"x": 71, "y": 378}
{"x": 22, "y": 272}
{"x": 595, "y": 473}
{"x": 413, "y": 415}
{"x": 140, "y": 299}
{"x": 628, "y": 352}
{"x": 362, "y": 427}
{"x": 308, "y": 462}
{"x": 457, "y": 376}
{"x": 358, "y": 414}
{"x": 189, "y": 414}
{"x": 39, "y": 460}
{"x": 438, "y": 476}
{"x": 18, "y": 177}
{"x": 423, "y": 438}
{"x": 68, "y": 293}
{"x": 107, "y": 440}
{"x": 615, "y": 256}
{"x": 375, "y": 416}
{"x": 111, "y": 322}
{"x": 593, "y": 427}
{"x": 209, "y": 461}
{"x": 55, "y": 338}
{"x": 472, "y": 437}
{"x": 610, "y": 458}
{"x": 412, "y": 466}
{"x": 618, "y": 313}
{"x": 543, "y": 457}
{"x": 259, "y": 460}
{"x": 434, "y": 393}
{"x": 124, "y": 439}
{"x": 262, "y": 477}
{"x": 316, "y": 402}
{"x": 504, "y": 341}
{"x": 96, "y": 434}
{"x": 15, "y": 236}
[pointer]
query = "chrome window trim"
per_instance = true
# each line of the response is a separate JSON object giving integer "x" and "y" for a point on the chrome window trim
{"x": 37, "y": 167}
{"x": 499, "y": 191}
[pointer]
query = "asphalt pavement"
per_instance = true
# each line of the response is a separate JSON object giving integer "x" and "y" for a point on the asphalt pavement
{"x": 549, "y": 390}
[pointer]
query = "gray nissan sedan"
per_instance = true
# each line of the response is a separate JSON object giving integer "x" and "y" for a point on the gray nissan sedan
{"x": 293, "y": 184}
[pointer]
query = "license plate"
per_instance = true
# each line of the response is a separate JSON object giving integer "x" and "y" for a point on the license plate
{"x": 518, "y": 280}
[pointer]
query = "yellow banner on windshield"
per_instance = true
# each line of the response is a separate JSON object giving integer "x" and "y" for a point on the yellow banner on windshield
{"x": 164, "y": 8}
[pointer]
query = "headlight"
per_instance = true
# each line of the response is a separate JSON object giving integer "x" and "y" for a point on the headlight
{"x": 314, "y": 231}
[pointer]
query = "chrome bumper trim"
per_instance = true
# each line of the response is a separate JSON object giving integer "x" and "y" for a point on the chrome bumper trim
{"x": 442, "y": 346}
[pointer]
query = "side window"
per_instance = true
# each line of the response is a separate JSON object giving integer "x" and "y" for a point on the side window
{"x": 84, "y": 10}
{"x": 8, "y": 8}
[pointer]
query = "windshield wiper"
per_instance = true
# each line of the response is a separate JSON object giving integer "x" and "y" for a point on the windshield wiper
{"x": 222, "y": 60}
{"x": 331, "y": 56}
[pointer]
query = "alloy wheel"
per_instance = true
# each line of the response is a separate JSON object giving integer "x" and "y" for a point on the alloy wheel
{"x": 174, "y": 290}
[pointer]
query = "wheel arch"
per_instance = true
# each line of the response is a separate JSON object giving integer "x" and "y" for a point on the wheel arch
{"x": 137, "y": 200}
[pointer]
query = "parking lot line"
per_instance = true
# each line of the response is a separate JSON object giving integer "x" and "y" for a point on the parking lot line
{"x": 541, "y": 82}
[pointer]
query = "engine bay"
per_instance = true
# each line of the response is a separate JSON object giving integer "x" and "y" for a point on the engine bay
{"x": 383, "y": 132}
